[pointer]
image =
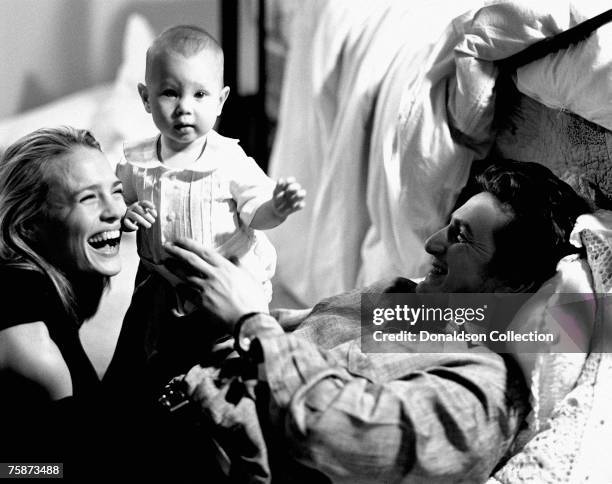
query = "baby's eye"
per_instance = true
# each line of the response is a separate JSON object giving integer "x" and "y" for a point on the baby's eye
{"x": 200, "y": 94}
{"x": 118, "y": 191}
{"x": 169, "y": 93}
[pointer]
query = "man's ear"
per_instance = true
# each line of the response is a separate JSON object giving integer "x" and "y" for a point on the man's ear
{"x": 223, "y": 95}
{"x": 144, "y": 96}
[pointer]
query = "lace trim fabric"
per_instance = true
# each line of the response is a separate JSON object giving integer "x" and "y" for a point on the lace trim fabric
{"x": 569, "y": 447}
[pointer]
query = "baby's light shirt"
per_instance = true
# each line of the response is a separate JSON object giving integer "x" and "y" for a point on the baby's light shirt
{"x": 212, "y": 202}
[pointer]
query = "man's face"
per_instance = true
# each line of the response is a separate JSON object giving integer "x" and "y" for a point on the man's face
{"x": 184, "y": 95}
{"x": 464, "y": 248}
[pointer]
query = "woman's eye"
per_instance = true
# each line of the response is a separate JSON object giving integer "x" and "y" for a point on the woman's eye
{"x": 87, "y": 198}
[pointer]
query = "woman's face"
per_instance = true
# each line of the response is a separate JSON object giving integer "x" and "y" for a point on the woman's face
{"x": 84, "y": 208}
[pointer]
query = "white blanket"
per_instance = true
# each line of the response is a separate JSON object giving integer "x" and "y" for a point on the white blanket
{"x": 340, "y": 53}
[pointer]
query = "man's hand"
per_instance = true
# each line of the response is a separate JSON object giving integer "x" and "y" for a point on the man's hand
{"x": 288, "y": 197}
{"x": 139, "y": 214}
{"x": 217, "y": 285}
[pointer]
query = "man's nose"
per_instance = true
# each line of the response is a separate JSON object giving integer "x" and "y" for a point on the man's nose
{"x": 436, "y": 243}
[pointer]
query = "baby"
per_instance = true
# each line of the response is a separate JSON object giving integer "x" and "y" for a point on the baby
{"x": 189, "y": 181}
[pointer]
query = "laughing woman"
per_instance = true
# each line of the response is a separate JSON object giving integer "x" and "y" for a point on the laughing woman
{"x": 60, "y": 212}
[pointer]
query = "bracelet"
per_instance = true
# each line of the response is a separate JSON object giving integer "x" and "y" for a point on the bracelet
{"x": 237, "y": 327}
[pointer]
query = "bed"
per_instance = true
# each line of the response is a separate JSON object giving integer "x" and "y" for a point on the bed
{"x": 386, "y": 107}
{"x": 383, "y": 108}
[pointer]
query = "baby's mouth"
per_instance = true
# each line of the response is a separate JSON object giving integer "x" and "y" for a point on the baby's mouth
{"x": 108, "y": 239}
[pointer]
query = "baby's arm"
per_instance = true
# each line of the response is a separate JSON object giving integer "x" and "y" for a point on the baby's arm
{"x": 288, "y": 197}
{"x": 139, "y": 214}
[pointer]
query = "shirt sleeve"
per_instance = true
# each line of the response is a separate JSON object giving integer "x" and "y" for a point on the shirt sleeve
{"x": 124, "y": 172}
{"x": 250, "y": 186}
{"x": 451, "y": 419}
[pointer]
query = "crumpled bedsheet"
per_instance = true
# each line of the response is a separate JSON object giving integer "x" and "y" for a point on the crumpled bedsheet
{"x": 385, "y": 106}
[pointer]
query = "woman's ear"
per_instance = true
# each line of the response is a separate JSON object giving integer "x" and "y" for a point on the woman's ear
{"x": 144, "y": 96}
{"x": 31, "y": 232}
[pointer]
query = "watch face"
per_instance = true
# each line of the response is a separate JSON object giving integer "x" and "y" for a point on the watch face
{"x": 244, "y": 344}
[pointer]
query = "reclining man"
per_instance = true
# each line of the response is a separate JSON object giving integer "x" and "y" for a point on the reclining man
{"x": 409, "y": 417}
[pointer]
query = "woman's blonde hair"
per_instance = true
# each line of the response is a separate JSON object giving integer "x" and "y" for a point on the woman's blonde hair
{"x": 25, "y": 167}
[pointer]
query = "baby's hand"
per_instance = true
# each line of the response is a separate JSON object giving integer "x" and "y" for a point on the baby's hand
{"x": 288, "y": 197}
{"x": 139, "y": 214}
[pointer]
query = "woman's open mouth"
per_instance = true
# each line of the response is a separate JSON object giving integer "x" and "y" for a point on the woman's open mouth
{"x": 106, "y": 242}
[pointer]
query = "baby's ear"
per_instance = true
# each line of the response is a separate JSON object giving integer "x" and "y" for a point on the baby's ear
{"x": 144, "y": 96}
{"x": 222, "y": 98}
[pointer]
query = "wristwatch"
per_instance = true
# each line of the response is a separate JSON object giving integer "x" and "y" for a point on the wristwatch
{"x": 249, "y": 348}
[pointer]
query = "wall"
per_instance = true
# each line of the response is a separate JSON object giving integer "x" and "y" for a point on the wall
{"x": 40, "y": 51}
{"x": 50, "y": 48}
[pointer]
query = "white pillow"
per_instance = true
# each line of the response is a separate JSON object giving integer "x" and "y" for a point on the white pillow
{"x": 568, "y": 445}
{"x": 122, "y": 117}
{"x": 577, "y": 79}
{"x": 564, "y": 305}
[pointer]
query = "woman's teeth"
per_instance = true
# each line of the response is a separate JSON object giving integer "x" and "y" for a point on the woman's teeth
{"x": 110, "y": 237}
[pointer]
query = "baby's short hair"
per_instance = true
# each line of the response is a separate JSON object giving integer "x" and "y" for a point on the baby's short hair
{"x": 186, "y": 40}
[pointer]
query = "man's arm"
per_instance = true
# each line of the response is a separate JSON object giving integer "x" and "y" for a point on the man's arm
{"x": 360, "y": 418}
{"x": 430, "y": 416}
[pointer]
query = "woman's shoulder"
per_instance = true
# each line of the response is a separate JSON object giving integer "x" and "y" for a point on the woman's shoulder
{"x": 27, "y": 351}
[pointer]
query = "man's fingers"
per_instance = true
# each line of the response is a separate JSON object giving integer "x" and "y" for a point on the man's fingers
{"x": 197, "y": 255}
{"x": 190, "y": 257}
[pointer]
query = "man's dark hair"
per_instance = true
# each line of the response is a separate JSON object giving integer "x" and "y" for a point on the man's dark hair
{"x": 544, "y": 211}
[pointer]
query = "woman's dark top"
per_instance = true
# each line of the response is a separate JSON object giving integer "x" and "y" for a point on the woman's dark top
{"x": 96, "y": 431}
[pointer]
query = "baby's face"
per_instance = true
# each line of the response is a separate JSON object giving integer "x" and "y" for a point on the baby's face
{"x": 184, "y": 95}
